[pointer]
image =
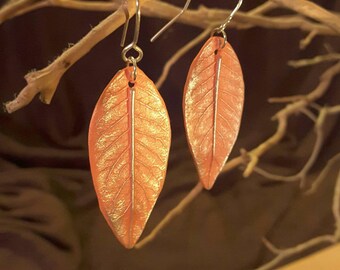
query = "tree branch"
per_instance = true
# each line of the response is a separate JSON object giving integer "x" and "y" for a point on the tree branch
{"x": 187, "y": 47}
{"x": 203, "y": 17}
{"x": 313, "y": 11}
{"x": 45, "y": 81}
{"x": 282, "y": 254}
{"x": 171, "y": 215}
{"x": 252, "y": 157}
{"x": 302, "y": 174}
{"x": 315, "y": 60}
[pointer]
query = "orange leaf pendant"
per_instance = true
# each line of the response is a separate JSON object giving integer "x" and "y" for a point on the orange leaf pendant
{"x": 212, "y": 105}
{"x": 129, "y": 141}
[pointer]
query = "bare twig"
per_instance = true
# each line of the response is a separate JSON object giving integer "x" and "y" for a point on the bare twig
{"x": 321, "y": 177}
{"x": 45, "y": 81}
{"x": 336, "y": 208}
{"x": 256, "y": 153}
{"x": 333, "y": 109}
{"x": 282, "y": 117}
{"x": 20, "y": 7}
{"x": 313, "y": 11}
{"x": 264, "y": 8}
{"x": 307, "y": 40}
{"x": 286, "y": 253}
{"x": 302, "y": 174}
{"x": 203, "y": 17}
{"x": 315, "y": 60}
{"x": 286, "y": 99}
{"x": 282, "y": 254}
{"x": 171, "y": 214}
{"x": 179, "y": 54}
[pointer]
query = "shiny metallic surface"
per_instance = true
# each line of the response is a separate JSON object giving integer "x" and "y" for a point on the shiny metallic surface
{"x": 165, "y": 27}
{"x": 223, "y": 26}
{"x": 216, "y": 96}
{"x": 129, "y": 141}
{"x": 212, "y": 104}
{"x": 132, "y": 151}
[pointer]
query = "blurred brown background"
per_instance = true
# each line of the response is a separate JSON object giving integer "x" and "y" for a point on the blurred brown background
{"x": 49, "y": 217}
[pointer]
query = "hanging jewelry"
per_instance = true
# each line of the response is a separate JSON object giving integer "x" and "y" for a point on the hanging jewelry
{"x": 213, "y": 104}
{"x": 129, "y": 142}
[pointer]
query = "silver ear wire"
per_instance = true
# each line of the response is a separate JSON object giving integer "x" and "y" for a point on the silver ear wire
{"x": 126, "y": 24}
{"x": 223, "y": 26}
{"x": 133, "y": 44}
{"x": 170, "y": 22}
{"x": 221, "y": 29}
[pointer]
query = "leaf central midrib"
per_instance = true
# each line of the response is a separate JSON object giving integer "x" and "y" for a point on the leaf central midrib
{"x": 218, "y": 61}
{"x": 131, "y": 110}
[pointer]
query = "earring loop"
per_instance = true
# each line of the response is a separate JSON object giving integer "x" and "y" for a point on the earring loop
{"x": 133, "y": 45}
{"x": 129, "y": 48}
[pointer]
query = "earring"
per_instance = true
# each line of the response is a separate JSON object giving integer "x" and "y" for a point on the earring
{"x": 213, "y": 102}
{"x": 129, "y": 142}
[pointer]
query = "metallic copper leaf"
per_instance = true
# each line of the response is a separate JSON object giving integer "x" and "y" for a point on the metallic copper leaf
{"x": 212, "y": 105}
{"x": 129, "y": 141}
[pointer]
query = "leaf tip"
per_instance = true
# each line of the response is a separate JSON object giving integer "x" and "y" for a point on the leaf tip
{"x": 208, "y": 183}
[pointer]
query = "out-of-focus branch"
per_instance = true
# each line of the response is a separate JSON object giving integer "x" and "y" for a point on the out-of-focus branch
{"x": 321, "y": 177}
{"x": 307, "y": 40}
{"x": 187, "y": 47}
{"x": 282, "y": 116}
{"x": 19, "y": 7}
{"x": 282, "y": 254}
{"x": 264, "y": 8}
{"x": 16, "y": 8}
{"x": 313, "y": 11}
{"x": 171, "y": 214}
{"x": 252, "y": 157}
{"x": 46, "y": 80}
{"x": 323, "y": 22}
{"x": 302, "y": 174}
{"x": 203, "y": 17}
{"x": 315, "y": 60}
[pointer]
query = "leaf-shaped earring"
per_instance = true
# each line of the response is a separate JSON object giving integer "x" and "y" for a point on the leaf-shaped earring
{"x": 213, "y": 103}
{"x": 129, "y": 142}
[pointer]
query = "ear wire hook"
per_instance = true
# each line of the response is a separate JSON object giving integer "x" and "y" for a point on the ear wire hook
{"x": 126, "y": 24}
{"x": 133, "y": 44}
{"x": 170, "y": 22}
{"x": 222, "y": 27}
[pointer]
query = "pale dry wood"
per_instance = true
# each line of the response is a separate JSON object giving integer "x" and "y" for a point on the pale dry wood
{"x": 327, "y": 258}
{"x": 45, "y": 81}
{"x": 313, "y": 11}
{"x": 203, "y": 18}
{"x": 307, "y": 40}
{"x": 252, "y": 157}
{"x": 19, "y": 7}
{"x": 264, "y": 8}
{"x": 286, "y": 253}
{"x": 181, "y": 52}
{"x": 302, "y": 174}
{"x": 171, "y": 215}
{"x": 322, "y": 176}
{"x": 333, "y": 109}
{"x": 282, "y": 254}
{"x": 282, "y": 116}
{"x": 315, "y": 60}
